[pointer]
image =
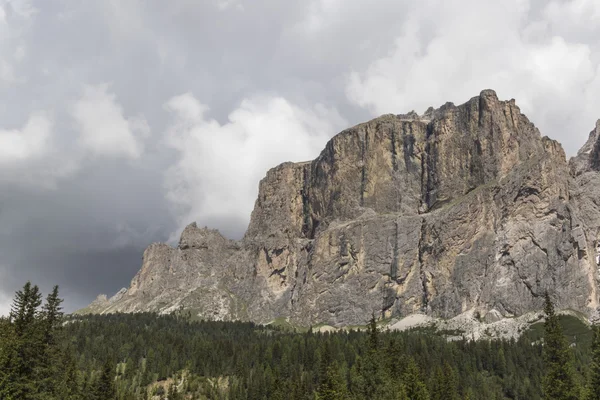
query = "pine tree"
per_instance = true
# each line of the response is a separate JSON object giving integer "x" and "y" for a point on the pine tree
{"x": 52, "y": 315}
{"x": 369, "y": 378}
{"x": 104, "y": 389}
{"x": 594, "y": 379}
{"x": 53, "y": 363}
{"x": 25, "y": 308}
{"x": 372, "y": 381}
{"x": 450, "y": 384}
{"x": 20, "y": 380}
{"x": 438, "y": 386}
{"x": 67, "y": 383}
{"x": 333, "y": 386}
{"x": 373, "y": 334}
{"x": 559, "y": 381}
{"x": 414, "y": 386}
{"x": 8, "y": 355}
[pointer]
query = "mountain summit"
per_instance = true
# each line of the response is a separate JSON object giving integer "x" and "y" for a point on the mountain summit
{"x": 463, "y": 208}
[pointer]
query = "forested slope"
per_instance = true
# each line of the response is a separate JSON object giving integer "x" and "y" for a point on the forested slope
{"x": 146, "y": 356}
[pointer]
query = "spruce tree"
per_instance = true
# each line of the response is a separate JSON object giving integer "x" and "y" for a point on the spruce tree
{"x": 450, "y": 384}
{"x": 20, "y": 372}
{"x": 559, "y": 381}
{"x": 53, "y": 364}
{"x": 370, "y": 365}
{"x": 372, "y": 380}
{"x": 105, "y": 386}
{"x": 333, "y": 386}
{"x": 24, "y": 309}
{"x": 594, "y": 378}
{"x": 52, "y": 315}
{"x": 414, "y": 386}
{"x": 438, "y": 386}
{"x": 66, "y": 385}
{"x": 8, "y": 355}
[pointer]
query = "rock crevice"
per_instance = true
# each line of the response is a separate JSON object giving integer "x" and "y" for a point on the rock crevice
{"x": 463, "y": 208}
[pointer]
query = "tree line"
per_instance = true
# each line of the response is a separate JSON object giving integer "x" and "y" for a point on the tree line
{"x": 46, "y": 355}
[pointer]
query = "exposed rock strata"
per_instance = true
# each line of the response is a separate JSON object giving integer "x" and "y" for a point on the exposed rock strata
{"x": 464, "y": 208}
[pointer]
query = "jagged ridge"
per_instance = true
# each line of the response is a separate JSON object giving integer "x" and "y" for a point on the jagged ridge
{"x": 463, "y": 208}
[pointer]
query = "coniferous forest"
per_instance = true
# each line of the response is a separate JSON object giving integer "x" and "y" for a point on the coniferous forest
{"x": 45, "y": 355}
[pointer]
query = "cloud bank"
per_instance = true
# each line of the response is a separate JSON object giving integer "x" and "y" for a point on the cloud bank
{"x": 123, "y": 121}
{"x": 218, "y": 165}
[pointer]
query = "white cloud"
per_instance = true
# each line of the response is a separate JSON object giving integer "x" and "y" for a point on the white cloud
{"x": 31, "y": 141}
{"x": 230, "y": 4}
{"x": 15, "y": 21}
{"x": 219, "y": 165}
{"x": 559, "y": 66}
{"x": 320, "y": 14}
{"x": 398, "y": 56}
{"x": 30, "y": 156}
{"x": 479, "y": 45}
{"x": 103, "y": 128}
{"x": 22, "y": 8}
{"x": 126, "y": 18}
{"x": 573, "y": 12}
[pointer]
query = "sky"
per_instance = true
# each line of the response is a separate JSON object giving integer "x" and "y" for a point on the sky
{"x": 121, "y": 121}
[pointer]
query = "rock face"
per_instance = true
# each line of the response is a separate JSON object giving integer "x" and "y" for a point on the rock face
{"x": 463, "y": 208}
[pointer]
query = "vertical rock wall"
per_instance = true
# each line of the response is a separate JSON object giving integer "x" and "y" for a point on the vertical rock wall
{"x": 465, "y": 207}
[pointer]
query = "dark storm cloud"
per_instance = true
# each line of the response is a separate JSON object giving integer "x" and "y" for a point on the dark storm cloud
{"x": 122, "y": 121}
{"x": 87, "y": 235}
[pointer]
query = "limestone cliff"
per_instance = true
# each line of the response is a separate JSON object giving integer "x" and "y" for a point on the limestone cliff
{"x": 463, "y": 208}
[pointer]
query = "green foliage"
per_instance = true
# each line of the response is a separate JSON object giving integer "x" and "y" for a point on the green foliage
{"x": 51, "y": 316}
{"x": 34, "y": 363}
{"x": 413, "y": 385}
{"x": 559, "y": 381}
{"x": 237, "y": 360}
{"x": 333, "y": 385}
{"x": 137, "y": 356}
{"x": 593, "y": 389}
{"x": 104, "y": 388}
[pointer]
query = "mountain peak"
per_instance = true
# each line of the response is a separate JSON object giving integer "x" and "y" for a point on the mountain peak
{"x": 588, "y": 157}
{"x": 197, "y": 238}
{"x": 465, "y": 208}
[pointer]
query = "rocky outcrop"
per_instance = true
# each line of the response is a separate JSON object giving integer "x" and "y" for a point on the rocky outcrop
{"x": 465, "y": 208}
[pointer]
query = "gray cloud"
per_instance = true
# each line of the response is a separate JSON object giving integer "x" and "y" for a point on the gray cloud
{"x": 122, "y": 121}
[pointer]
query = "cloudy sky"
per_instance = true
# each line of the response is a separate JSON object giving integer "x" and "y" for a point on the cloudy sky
{"x": 123, "y": 120}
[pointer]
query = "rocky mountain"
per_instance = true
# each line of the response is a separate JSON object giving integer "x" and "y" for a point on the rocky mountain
{"x": 464, "y": 208}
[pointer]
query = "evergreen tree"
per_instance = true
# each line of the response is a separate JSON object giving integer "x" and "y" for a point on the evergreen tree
{"x": 105, "y": 386}
{"x": 449, "y": 383}
{"x": 224, "y": 360}
{"x": 68, "y": 388}
{"x": 438, "y": 391}
{"x": 593, "y": 390}
{"x": 372, "y": 382}
{"x": 55, "y": 360}
{"x": 559, "y": 380}
{"x": 25, "y": 348}
{"x": 333, "y": 386}
{"x": 52, "y": 315}
{"x": 8, "y": 355}
{"x": 24, "y": 312}
{"x": 414, "y": 386}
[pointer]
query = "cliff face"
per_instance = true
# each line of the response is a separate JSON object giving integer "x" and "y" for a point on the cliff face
{"x": 465, "y": 207}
